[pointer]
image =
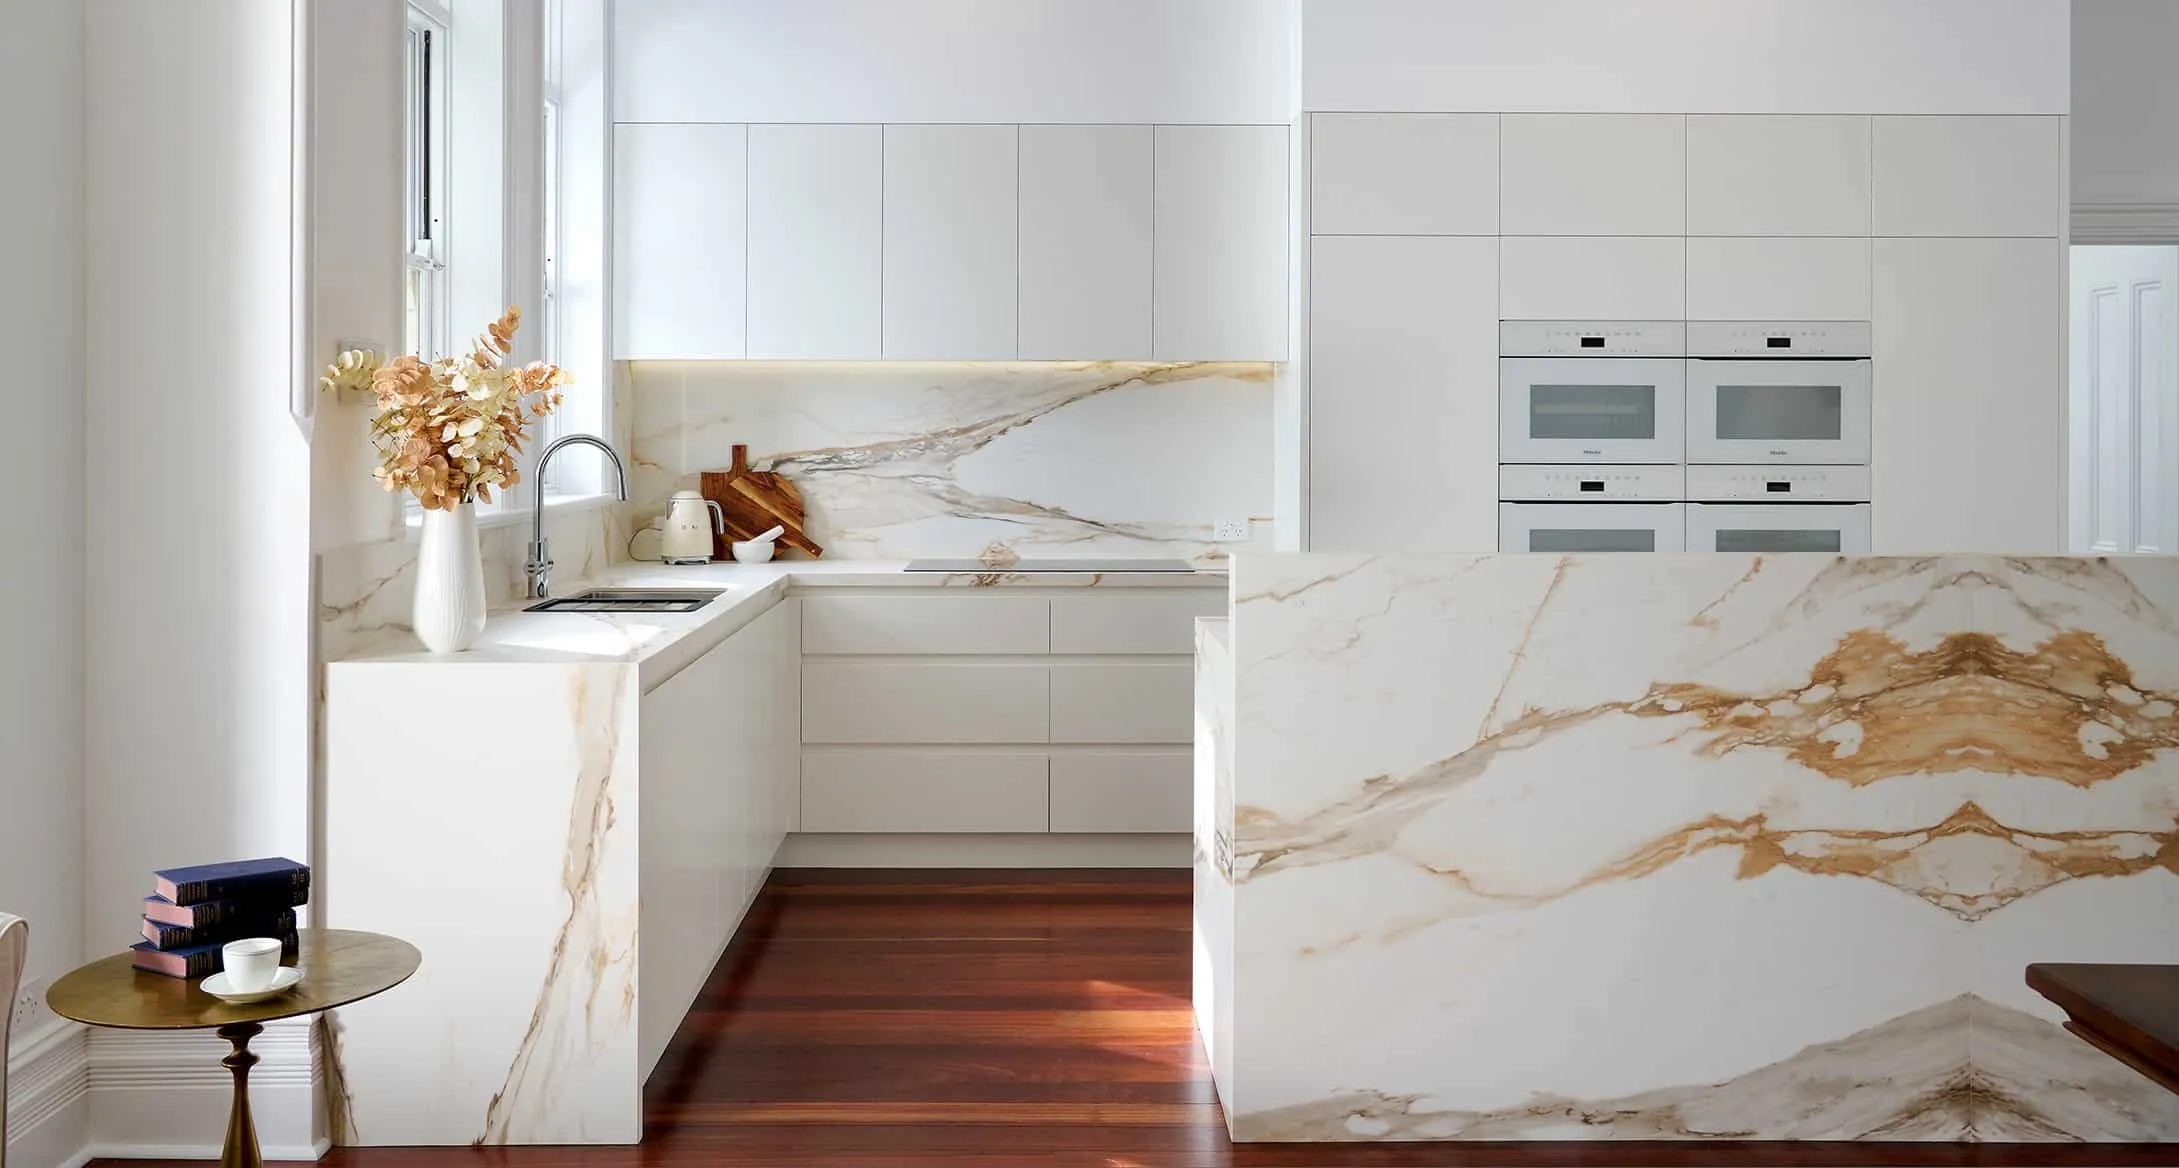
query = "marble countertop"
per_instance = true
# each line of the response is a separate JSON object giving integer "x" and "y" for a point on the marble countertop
{"x": 661, "y": 644}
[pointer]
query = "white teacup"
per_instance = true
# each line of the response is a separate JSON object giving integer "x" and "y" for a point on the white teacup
{"x": 251, "y": 963}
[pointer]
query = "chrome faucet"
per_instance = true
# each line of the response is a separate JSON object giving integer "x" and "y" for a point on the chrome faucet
{"x": 537, "y": 573}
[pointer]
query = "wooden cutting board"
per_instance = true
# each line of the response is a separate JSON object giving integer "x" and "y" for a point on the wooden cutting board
{"x": 755, "y": 501}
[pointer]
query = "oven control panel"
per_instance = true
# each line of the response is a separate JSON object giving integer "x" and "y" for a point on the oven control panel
{"x": 1778, "y": 484}
{"x": 1592, "y": 338}
{"x": 1545, "y": 483}
{"x": 1744, "y": 338}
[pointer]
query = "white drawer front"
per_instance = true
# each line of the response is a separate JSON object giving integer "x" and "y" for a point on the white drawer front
{"x": 857, "y": 701}
{"x": 925, "y": 624}
{"x": 1148, "y": 623}
{"x": 905, "y": 791}
{"x": 1777, "y": 279}
{"x": 1123, "y": 703}
{"x": 1122, "y": 792}
{"x": 1543, "y": 278}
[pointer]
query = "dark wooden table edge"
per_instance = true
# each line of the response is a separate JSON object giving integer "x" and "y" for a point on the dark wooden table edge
{"x": 2100, "y": 1028}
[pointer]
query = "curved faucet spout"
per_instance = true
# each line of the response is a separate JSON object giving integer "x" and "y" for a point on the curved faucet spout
{"x": 537, "y": 573}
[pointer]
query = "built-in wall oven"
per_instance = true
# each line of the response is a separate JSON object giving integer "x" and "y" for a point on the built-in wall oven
{"x": 1580, "y": 392}
{"x": 1778, "y": 509}
{"x": 1778, "y": 393}
{"x": 1624, "y": 508}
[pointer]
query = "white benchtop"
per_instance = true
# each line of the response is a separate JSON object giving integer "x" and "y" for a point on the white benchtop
{"x": 660, "y": 644}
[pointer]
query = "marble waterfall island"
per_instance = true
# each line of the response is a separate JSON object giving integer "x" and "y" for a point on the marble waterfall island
{"x": 1681, "y": 847}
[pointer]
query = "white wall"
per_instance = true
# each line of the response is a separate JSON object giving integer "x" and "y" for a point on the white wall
{"x": 951, "y": 61}
{"x": 198, "y": 694}
{"x": 2125, "y": 102}
{"x": 41, "y": 504}
{"x": 1687, "y": 56}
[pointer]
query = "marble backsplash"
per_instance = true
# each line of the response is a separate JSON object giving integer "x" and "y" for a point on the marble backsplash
{"x": 896, "y": 460}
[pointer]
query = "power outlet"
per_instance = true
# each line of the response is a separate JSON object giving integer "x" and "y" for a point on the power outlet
{"x": 1230, "y": 531}
{"x": 29, "y": 1009}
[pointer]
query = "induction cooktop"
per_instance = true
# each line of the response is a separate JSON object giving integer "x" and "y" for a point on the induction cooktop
{"x": 1051, "y": 565}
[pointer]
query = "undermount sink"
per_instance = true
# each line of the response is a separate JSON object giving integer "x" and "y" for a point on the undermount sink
{"x": 631, "y": 600}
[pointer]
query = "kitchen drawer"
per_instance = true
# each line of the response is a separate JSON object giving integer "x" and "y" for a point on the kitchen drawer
{"x": 1778, "y": 279}
{"x": 909, "y": 791}
{"x": 1122, "y": 792}
{"x": 925, "y": 624}
{"x": 910, "y": 702}
{"x": 1123, "y": 702}
{"x": 1546, "y": 278}
{"x": 1145, "y": 623}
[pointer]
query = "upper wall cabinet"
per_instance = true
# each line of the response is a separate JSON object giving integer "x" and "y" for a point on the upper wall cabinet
{"x": 949, "y": 242}
{"x": 1777, "y": 175}
{"x": 1219, "y": 213}
{"x": 1967, "y": 176}
{"x": 680, "y": 241}
{"x": 1085, "y": 243}
{"x": 1403, "y": 174}
{"x": 1593, "y": 174}
{"x": 816, "y": 225}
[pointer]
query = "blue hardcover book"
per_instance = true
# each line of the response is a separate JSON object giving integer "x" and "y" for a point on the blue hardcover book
{"x": 238, "y": 880}
{"x": 262, "y": 923}
{"x": 199, "y": 960}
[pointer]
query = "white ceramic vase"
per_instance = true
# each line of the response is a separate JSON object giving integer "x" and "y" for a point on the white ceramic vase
{"x": 449, "y": 610}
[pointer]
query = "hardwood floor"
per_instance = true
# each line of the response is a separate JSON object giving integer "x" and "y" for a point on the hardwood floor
{"x": 1012, "y": 1020}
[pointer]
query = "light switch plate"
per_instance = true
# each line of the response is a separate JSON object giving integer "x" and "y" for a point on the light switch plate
{"x": 358, "y": 397}
{"x": 1230, "y": 531}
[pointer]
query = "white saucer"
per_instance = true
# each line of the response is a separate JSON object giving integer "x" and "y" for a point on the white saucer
{"x": 282, "y": 982}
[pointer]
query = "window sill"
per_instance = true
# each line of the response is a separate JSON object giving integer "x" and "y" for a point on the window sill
{"x": 511, "y": 516}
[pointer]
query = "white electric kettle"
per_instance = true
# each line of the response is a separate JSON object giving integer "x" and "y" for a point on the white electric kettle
{"x": 690, "y": 523}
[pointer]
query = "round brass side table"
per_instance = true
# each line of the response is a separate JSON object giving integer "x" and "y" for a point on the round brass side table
{"x": 339, "y": 966}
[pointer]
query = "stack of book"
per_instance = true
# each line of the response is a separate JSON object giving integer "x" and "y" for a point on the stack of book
{"x": 192, "y": 912}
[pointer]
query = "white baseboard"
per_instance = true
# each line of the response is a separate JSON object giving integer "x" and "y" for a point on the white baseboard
{"x": 49, "y": 1113}
{"x": 874, "y": 850}
{"x": 164, "y": 1095}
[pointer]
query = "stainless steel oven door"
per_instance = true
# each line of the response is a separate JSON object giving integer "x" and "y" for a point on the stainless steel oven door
{"x": 1745, "y": 412}
{"x": 1563, "y": 528}
{"x": 1578, "y": 410}
{"x": 1769, "y": 528}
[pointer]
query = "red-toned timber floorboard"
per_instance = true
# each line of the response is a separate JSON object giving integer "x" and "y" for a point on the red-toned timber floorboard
{"x": 1013, "y": 1020}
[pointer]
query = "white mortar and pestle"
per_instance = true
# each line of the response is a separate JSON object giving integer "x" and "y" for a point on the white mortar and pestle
{"x": 757, "y": 550}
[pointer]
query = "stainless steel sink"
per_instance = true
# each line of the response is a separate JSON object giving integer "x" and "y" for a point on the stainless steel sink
{"x": 631, "y": 600}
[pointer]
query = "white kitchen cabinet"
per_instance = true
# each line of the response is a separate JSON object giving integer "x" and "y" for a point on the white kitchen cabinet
{"x": 680, "y": 241}
{"x": 926, "y": 624}
{"x": 1967, "y": 176}
{"x": 1145, "y": 792}
{"x": 816, "y": 222}
{"x": 1157, "y": 622}
{"x": 1593, "y": 174}
{"x": 1122, "y": 702}
{"x": 923, "y": 791}
{"x": 1969, "y": 396}
{"x": 1403, "y": 394}
{"x": 1403, "y": 174}
{"x": 949, "y": 242}
{"x": 1548, "y": 278}
{"x": 1777, "y": 175}
{"x": 1085, "y": 253}
{"x": 1777, "y": 279}
{"x": 1219, "y": 213}
{"x": 916, "y": 702}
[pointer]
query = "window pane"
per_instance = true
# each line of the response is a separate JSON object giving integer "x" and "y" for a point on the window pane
{"x": 1779, "y": 413}
{"x": 1742, "y": 540}
{"x": 1592, "y": 411}
{"x": 1569, "y": 539}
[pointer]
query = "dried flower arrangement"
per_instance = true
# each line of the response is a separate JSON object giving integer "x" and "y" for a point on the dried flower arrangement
{"x": 449, "y": 431}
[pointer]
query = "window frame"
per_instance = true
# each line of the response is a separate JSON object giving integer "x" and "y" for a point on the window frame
{"x": 427, "y": 300}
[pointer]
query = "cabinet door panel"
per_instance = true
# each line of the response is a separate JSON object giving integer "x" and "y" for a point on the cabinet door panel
{"x": 869, "y": 701}
{"x": 1141, "y": 623}
{"x": 1593, "y": 174}
{"x": 816, "y": 221}
{"x": 909, "y": 791}
{"x": 1403, "y": 394}
{"x": 1403, "y": 174}
{"x": 1085, "y": 267}
{"x": 1122, "y": 703}
{"x": 1219, "y": 211}
{"x": 680, "y": 241}
{"x": 1768, "y": 175}
{"x": 925, "y": 624}
{"x": 949, "y": 242}
{"x": 1939, "y": 176}
{"x": 1122, "y": 792}
{"x": 1542, "y": 278}
{"x": 1777, "y": 279}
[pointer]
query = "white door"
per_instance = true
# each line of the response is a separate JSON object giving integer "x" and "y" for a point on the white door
{"x": 2124, "y": 408}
